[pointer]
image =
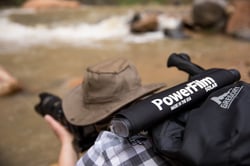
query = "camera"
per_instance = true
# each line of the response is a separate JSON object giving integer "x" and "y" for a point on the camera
{"x": 84, "y": 136}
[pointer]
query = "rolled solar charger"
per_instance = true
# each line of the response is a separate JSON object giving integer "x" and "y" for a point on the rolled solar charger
{"x": 154, "y": 109}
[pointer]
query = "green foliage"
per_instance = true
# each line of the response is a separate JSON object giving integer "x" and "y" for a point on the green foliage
{"x": 6, "y": 3}
{"x": 11, "y": 2}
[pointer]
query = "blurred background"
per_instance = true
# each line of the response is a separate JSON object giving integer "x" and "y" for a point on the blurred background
{"x": 45, "y": 46}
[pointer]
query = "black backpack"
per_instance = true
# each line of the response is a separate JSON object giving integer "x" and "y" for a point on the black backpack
{"x": 217, "y": 133}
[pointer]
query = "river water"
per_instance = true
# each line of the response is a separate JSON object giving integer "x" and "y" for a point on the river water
{"x": 48, "y": 50}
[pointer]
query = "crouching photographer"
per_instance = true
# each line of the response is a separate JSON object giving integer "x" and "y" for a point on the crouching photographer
{"x": 178, "y": 119}
{"x": 83, "y": 117}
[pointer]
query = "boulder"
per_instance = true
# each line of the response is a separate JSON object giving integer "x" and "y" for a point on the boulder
{"x": 210, "y": 14}
{"x": 8, "y": 84}
{"x": 50, "y": 4}
{"x": 239, "y": 21}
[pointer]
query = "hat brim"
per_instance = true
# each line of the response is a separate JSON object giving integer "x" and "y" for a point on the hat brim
{"x": 79, "y": 113}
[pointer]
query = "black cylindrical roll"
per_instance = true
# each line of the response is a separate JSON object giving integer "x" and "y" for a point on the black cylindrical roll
{"x": 185, "y": 96}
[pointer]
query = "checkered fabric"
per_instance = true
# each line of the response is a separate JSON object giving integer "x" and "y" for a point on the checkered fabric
{"x": 112, "y": 150}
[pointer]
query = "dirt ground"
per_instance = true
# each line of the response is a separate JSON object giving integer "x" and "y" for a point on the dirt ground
{"x": 25, "y": 137}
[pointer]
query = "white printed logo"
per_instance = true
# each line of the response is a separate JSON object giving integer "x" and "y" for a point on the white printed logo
{"x": 220, "y": 98}
{"x": 183, "y": 95}
{"x": 226, "y": 99}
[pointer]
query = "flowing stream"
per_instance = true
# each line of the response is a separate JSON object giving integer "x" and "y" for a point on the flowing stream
{"x": 75, "y": 33}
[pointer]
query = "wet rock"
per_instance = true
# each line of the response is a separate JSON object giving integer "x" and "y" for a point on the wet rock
{"x": 8, "y": 84}
{"x": 48, "y": 4}
{"x": 239, "y": 22}
{"x": 157, "y": 21}
{"x": 175, "y": 34}
{"x": 144, "y": 22}
{"x": 172, "y": 27}
{"x": 210, "y": 14}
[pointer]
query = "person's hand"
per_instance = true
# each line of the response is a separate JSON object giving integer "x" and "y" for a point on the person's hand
{"x": 60, "y": 131}
{"x": 68, "y": 155}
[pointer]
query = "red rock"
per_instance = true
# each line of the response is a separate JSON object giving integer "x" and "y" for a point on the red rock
{"x": 48, "y": 4}
{"x": 240, "y": 19}
{"x": 8, "y": 84}
{"x": 73, "y": 82}
{"x": 144, "y": 22}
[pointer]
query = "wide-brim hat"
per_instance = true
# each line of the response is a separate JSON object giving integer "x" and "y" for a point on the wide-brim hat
{"x": 106, "y": 88}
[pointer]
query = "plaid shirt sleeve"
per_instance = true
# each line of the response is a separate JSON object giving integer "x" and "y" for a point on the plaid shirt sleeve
{"x": 110, "y": 149}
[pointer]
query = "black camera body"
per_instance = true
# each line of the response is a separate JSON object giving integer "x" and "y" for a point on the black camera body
{"x": 84, "y": 136}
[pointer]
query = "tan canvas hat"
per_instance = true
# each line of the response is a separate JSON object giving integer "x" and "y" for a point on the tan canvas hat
{"x": 107, "y": 87}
